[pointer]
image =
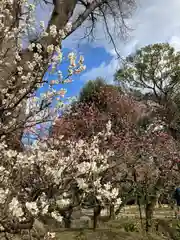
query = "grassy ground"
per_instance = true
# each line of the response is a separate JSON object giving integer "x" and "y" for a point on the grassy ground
{"x": 128, "y": 227}
{"x": 121, "y": 229}
{"x": 106, "y": 234}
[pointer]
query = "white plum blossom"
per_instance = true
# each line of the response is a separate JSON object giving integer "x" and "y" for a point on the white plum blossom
{"x": 3, "y": 195}
{"x": 32, "y": 207}
{"x": 50, "y": 48}
{"x": 63, "y": 202}
{"x": 68, "y": 27}
{"x": 53, "y": 31}
{"x": 57, "y": 216}
{"x": 16, "y": 208}
{"x": 81, "y": 183}
{"x": 42, "y": 24}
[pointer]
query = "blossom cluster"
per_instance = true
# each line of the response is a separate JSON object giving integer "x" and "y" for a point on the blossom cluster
{"x": 33, "y": 181}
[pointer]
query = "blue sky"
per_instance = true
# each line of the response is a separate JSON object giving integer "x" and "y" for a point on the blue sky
{"x": 92, "y": 61}
{"x": 153, "y": 21}
{"x": 94, "y": 56}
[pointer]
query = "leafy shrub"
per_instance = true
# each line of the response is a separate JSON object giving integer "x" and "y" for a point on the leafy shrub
{"x": 131, "y": 227}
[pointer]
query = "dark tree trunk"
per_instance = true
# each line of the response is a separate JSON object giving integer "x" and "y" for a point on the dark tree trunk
{"x": 67, "y": 222}
{"x": 112, "y": 214}
{"x": 150, "y": 201}
{"x": 67, "y": 217}
{"x": 149, "y": 210}
{"x": 138, "y": 199}
{"x": 97, "y": 212}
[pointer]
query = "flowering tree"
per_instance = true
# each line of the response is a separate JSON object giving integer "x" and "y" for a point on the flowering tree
{"x": 154, "y": 72}
{"x": 151, "y": 165}
{"x": 97, "y": 105}
{"x": 45, "y": 180}
{"x": 145, "y": 154}
{"x": 22, "y": 69}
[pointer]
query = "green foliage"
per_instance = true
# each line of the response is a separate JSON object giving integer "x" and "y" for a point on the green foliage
{"x": 99, "y": 94}
{"x": 154, "y": 68}
{"x": 131, "y": 227}
{"x": 90, "y": 90}
{"x": 153, "y": 73}
{"x": 89, "y": 93}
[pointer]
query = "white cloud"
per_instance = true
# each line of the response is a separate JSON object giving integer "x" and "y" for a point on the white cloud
{"x": 104, "y": 70}
{"x": 154, "y": 21}
{"x": 175, "y": 42}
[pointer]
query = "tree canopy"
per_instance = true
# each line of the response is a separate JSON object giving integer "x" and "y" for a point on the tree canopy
{"x": 154, "y": 70}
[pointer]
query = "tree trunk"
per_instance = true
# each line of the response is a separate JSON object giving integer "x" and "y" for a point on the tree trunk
{"x": 67, "y": 222}
{"x": 158, "y": 201}
{"x": 97, "y": 212}
{"x": 149, "y": 210}
{"x": 138, "y": 199}
{"x": 150, "y": 201}
{"x": 112, "y": 214}
{"x": 124, "y": 202}
{"x": 67, "y": 218}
